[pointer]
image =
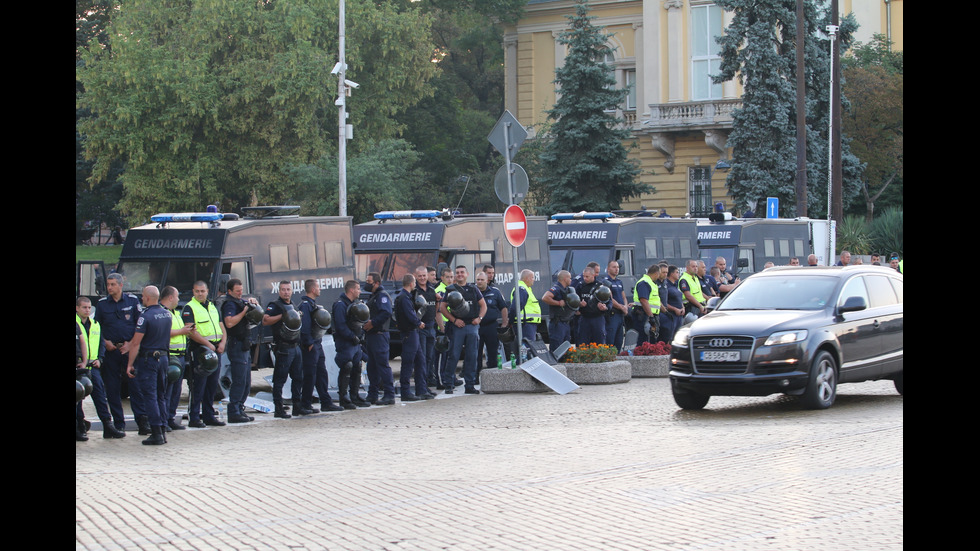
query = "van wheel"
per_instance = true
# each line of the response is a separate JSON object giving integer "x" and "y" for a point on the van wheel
{"x": 821, "y": 391}
{"x": 691, "y": 400}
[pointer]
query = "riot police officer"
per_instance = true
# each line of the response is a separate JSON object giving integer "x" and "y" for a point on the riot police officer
{"x": 169, "y": 298}
{"x": 556, "y": 297}
{"x": 234, "y": 311}
{"x": 466, "y": 331}
{"x": 427, "y": 335}
{"x": 496, "y": 316}
{"x": 348, "y": 333}
{"x": 592, "y": 324}
{"x": 413, "y": 358}
{"x": 311, "y": 345}
{"x": 377, "y": 342}
{"x": 209, "y": 335}
{"x": 148, "y": 361}
{"x": 616, "y": 315}
{"x": 282, "y": 316}
{"x": 646, "y": 304}
{"x": 91, "y": 333}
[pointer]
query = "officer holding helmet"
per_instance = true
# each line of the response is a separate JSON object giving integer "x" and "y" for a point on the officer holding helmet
{"x": 286, "y": 322}
{"x": 316, "y": 320}
{"x": 349, "y": 316}
{"x": 235, "y": 311}
{"x": 204, "y": 349}
{"x": 147, "y": 362}
{"x": 377, "y": 342}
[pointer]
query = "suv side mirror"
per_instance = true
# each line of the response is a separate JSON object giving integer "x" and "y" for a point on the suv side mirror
{"x": 853, "y": 304}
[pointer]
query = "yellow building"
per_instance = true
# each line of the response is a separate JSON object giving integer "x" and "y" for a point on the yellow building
{"x": 663, "y": 51}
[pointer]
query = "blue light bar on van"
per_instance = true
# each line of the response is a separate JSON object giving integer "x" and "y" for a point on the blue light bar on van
{"x": 186, "y": 217}
{"x": 406, "y": 214}
{"x": 582, "y": 215}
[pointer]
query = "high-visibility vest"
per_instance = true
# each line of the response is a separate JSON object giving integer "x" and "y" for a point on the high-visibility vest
{"x": 695, "y": 285}
{"x": 206, "y": 320}
{"x": 653, "y": 299}
{"x": 441, "y": 289}
{"x": 531, "y": 312}
{"x": 178, "y": 343}
{"x": 93, "y": 337}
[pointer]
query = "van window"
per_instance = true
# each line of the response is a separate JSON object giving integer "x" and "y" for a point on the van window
{"x": 669, "y": 250}
{"x": 333, "y": 254}
{"x": 769, "y": 248}
{"x": 371, "y": 262}
{"x": 625, "y": 258}
{"x": 238, "y": 270}
{"x": 784, "y": 248}
{"x": 799, "y": 251}
{"x": 307, "y": 256}
{"x": 686, "y": 250}
{"x": 532, "y": 249}
{"x": 278, "y": 258}
{"x": 651, "y": 248}
{"x": 406, "y": 263}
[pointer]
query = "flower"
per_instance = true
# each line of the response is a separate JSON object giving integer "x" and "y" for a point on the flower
{"x": 650, "y": 349}
{"x": 590, "y": 353}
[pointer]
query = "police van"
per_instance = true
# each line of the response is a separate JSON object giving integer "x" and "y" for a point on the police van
{"x": 395, "y": 243}
{"x": 636, "y": 242}
{"x": 747, "y": 244}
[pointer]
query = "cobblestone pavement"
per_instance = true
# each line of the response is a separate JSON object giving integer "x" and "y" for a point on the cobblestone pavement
{"x": 605, "y": 467}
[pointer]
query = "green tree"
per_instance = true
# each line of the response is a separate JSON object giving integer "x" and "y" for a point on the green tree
{"x": 759, "y": 47}
{"x": 208, "y": 101}
{"x": 875, "y": 86}
{"x": 585, "y": 164}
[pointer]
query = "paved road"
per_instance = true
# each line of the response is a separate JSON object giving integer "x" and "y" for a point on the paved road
{"x": 605, "y": 467}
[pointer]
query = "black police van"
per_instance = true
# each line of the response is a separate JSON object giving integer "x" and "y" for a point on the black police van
{"x": 395, "y": 243}
{"x": 575, "y": 239}
{"x": 266, "y": 246}
{"x": 747, "y": 244}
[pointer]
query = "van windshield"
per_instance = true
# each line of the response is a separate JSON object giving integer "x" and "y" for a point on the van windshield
{"x": 180, "y": 273}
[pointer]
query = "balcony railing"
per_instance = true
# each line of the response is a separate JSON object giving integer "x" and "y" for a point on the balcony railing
{"x": 692, "y": 114}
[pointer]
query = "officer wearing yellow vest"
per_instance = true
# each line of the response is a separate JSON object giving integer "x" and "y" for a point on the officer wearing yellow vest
{"x": 94, "y": 348}
{"x": 530, "y": 307}
{"x": 690, "y": 287}
{"x": 169, "y": 298}
{"x": 646, "y": 305}
{"x": 209, "y": 334}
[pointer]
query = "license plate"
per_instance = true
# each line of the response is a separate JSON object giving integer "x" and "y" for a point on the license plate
{"x": 721, "y": 356}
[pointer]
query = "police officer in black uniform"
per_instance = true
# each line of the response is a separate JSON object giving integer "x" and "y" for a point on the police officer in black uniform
{"x": 289, "y": 360}
{"x": 311, "y": 345}
{"x": 413, "y": 358}
{"x": 377, "y": 343}
{"x": 148, "y": 360}
{"x": 592, "y": 325}
{"x": 496, "y": 317}
{"x": 239, "y": 349}
{"x": 348, "y": 334}
{"x": 427, "y": 335}
{"x": 117, "y": 314}
{"x": 559, "y": 328}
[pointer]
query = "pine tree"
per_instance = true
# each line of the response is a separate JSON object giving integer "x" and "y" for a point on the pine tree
{"x": 759, "y": 46}
{"x": 585, "y": 164}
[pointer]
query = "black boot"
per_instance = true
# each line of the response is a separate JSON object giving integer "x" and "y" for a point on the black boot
{"x": 281, "y": 412}
{"x": 156, "y": 437}
{"x": 110, "y": 431}
{"x": 79, "y": 435}
{"x": 355, "y": 387}
{"x": 144, "y": 425}
{"x": 343, "y": 384}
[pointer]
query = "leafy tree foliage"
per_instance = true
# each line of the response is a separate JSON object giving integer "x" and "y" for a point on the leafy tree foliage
{"x": 380, "y": 177}
{"x": 585, "y": 163}
{"x": 874, "y": 84}
{"x": 208, "y": 101}
{"x": 759, "y": 47}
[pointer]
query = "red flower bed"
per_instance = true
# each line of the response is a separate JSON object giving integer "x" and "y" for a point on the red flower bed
{"x": 650, "y": 349}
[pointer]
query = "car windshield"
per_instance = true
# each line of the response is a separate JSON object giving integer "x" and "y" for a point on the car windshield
{"x": 789, "y": 292}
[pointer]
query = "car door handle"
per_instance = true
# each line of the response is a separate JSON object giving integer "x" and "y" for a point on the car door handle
{"x": 876, "y": 324}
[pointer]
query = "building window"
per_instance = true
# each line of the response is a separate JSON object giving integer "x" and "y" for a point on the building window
{"x": 624, "y": 73}
{"x": 700, "y": 190}
{"x": 706, "y": 24}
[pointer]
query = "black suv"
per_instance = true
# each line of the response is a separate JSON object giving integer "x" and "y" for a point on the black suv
{"x": 795, "y": 330}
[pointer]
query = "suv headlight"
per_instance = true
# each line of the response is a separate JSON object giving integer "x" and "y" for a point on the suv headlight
{"x": 786, "y": 337}
{"x": 681, "y": 337}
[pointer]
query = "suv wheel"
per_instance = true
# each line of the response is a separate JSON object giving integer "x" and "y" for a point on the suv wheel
{"x": 900, "y": 383}
{"x": 821, "y": 391}
{"x": 690, "y": 400}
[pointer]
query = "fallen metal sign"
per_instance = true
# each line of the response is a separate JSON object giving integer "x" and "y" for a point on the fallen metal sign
{"x": 549, "y": 376}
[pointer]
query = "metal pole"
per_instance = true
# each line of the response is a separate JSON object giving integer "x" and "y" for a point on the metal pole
{"x": 342, "y": 118}
{"x": 801, "y": 205}
{"x": 517, "y": 274}
{"x": 832, "y": 31}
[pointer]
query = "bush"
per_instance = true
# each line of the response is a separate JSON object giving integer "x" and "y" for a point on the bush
{"x": 591, "y": 353}
{"x": 853, "y": 234}
{"x": 887, "y": 232}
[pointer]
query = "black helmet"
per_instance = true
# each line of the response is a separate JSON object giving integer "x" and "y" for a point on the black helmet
{"x": 572, "y": 300}
{"x": 86, "y": 384}
{"x": 79, "y": 391}
{"x": 292, "y": 320}
{"x": 420, "y": 302}
{"x": 207, "y": 361}
{"x": 358, "y": 312}
{"x": 603, "y": 293}
{"x": 173, "y": 371}
{"x": 454, "y": 299}
{"x": 254, "y": 315}
{"x": 442, "y": 343}
{"x": 462, "y": 310}
{"x": 505, "y": 334}
{"x": 321, "y": 317}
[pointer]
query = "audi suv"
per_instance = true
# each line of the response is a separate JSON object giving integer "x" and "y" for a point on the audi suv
{"x": 794, "y": 330}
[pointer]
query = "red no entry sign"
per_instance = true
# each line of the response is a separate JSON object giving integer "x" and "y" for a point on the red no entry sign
{"x": 515, "y": 225}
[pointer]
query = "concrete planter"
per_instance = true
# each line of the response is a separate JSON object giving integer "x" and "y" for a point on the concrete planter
{"x": 649, "y": 366}
{"x": 606, "y": 373}
{"x": 500, "y": 381}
